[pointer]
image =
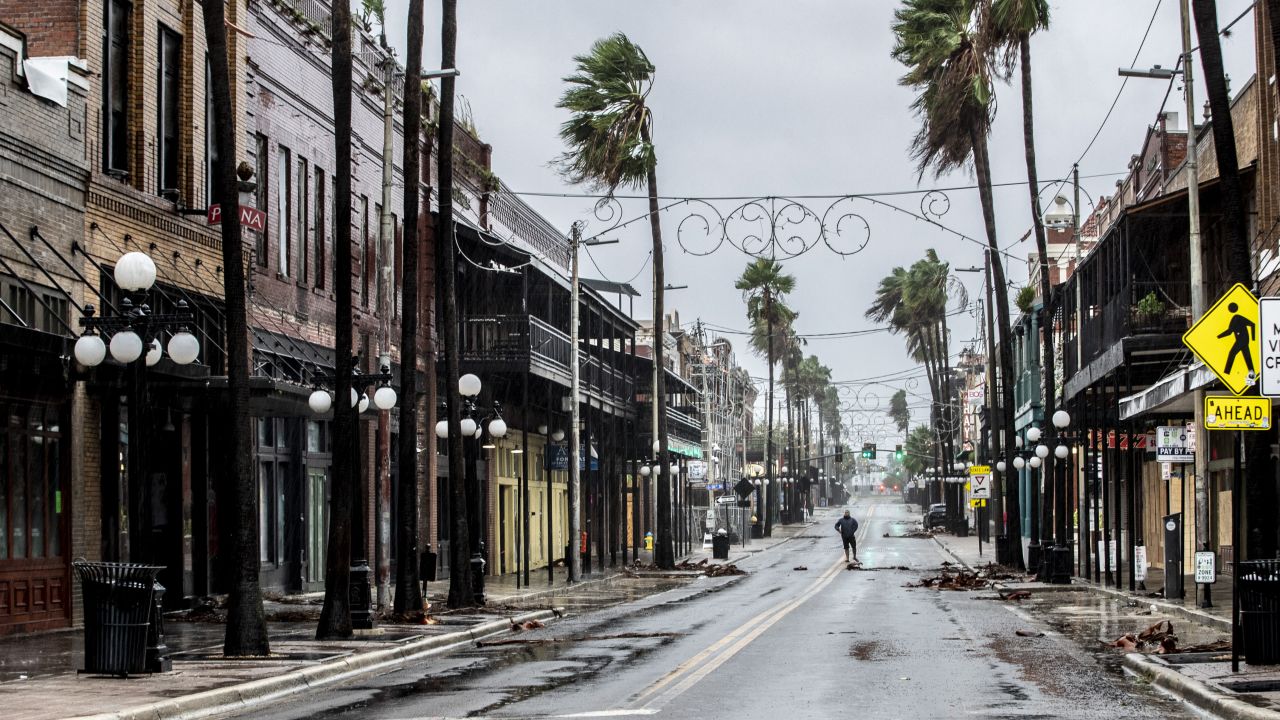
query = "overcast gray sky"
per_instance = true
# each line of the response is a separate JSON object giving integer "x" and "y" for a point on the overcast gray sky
{"x": 758, "y": 97}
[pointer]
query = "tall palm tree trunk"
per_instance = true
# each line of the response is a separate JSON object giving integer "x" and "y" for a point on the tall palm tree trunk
{"x": 664, "y": 551}
{"x": 461, "y": 592}
{"x": 768, "y": 443}
{"x": 408, "y": 589}
{"x": 335, "y": 616}
{"x": 246, "y": 632}
{"x": 1001, "y": 290}
{"x": 1042, "y": 248}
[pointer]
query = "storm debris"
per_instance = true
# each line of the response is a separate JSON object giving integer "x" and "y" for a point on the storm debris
{"x": 1158, "y": 638}
{"x": 800, "y": 568}
{"x": 1018, "y": 595}
{"x": 1028, "y": 633}
{"x": 526, "y": 625}
{"x": 703, "y": 566}
{"x": 950, "y": 578}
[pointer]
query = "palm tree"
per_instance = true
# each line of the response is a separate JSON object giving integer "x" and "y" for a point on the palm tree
{"x": 949, "y": 64}
{"x": 899, "y": 412}
{"x": 1013, "y": 24}
{"x": 610, "y": 144}
{"x": 408, "y": 589}
{"x": 335, "y": 616}
{"x": 1238, "y": 256}
{"x": 461, "y": 581}
{"x": 764, "y": 285}
{"x": 246, "y": 632}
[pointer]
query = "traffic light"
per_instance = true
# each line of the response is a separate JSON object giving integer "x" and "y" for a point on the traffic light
{"x": 898, "y": 454}
{"x": 868, "y": 451}
{"x": 839, "y": 453}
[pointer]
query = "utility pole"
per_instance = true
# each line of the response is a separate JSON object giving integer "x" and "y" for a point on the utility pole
{"x": 575, "y": 431}
{"x": 1197, "y": 290}
{"x": 385, "y": 229}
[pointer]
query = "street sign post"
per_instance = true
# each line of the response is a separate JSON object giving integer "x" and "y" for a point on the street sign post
{"x": 1225, "y": 339}
{"x": 1237, "y": 413}
{"x": 1206, "y": 570}
{"x": 1172, "y": 445}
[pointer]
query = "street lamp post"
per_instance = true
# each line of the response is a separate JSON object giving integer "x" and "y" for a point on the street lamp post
{"x": 135, "y": 334}
{"x": 1060, "y": 555}
{"x": 360, "y": 585}
{"x": 473, "y": 426}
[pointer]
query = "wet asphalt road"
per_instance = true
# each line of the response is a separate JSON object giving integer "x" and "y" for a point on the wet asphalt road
{"x": 820, "y": 642}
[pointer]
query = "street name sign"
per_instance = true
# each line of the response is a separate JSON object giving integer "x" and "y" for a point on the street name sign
{"x": 1206, "y": 571}
{"x": 1237, "y": 413}
{"x": 1225, "y": 339}
{"x": 251, "y": 218}
{"x": 1269, "y": 345}
{"x": 1172, "y": 445}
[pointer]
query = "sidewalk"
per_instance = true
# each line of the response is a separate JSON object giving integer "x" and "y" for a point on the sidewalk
{"x": 1202, "y": 679}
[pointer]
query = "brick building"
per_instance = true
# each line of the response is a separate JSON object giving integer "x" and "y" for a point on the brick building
{"x": 47, "y": 511}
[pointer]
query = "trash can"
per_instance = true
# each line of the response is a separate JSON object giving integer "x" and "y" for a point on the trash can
{"x": 720, "y": 546}
{"x": 1260, "y": 611}
{"x": 118, "y": 602}
{"x": 1004, "y": 551}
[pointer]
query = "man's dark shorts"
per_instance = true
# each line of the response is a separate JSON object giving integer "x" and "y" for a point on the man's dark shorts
{"x": 851, "y": 543}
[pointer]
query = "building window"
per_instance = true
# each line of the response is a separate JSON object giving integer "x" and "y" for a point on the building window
{"x": 261, "y": 173}
{"x": 284, "y": 210}
{"x": 31, "y": 462}
{"x": 274, "y": 450}
{"x": 168, "y": 82}
{"x": 213, "y": 193}
{"x": 366, "y": 255}
{"x": 319, "y": 228}
{"x": 33, "y": 306}
{"x": 115, "y": 88}
{"x": 304, "y": 217}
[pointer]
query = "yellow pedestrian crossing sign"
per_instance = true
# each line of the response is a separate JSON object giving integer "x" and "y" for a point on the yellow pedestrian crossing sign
{"x": 1225, "y": 339}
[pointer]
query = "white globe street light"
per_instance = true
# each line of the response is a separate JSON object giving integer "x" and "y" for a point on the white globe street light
{"x": 154, "y": 352}
{"x": 442, "y": 429}
{"x": 1017, "y": 440}
{"x": 384, "y": 398}
{"x": 1033, "y": 434}
{"x": 1061, "y": 419}
{"x": 1001, "y": 466}
{"x": 1035, "y": 462}
{"x": 320, "y": 401}
{"x": 557, "y": 436}
{"x": 644, "y": 471}
{"x": 135, "y": 272}
{"x": 355, "y": 397}
{"x": 126, "y": 346}
{"x": 1019, "y": 463}
{"x": 542, "y": 429}
{"x": 497, "y": 428}
{"x": 469, "y": 385}
{"x": 479, "y": 431}
{"x": 364, "y": 402}
{"x": 184, "y": 347}
{"x": 1061, "y": 452}
{"x": 1042, "y": 451}
{"x": 90, "y": 351}
{"x": 657, "y": 447}
{"x": 468, "y": 427}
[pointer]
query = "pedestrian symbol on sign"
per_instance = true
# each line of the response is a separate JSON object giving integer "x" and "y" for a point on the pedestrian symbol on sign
{"x": 1225, "y": 339}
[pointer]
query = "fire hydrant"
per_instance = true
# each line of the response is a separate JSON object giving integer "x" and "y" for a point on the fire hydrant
{"x": 648, "y": 541}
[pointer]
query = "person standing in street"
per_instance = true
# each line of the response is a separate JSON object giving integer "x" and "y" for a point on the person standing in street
{"x": 848, "y": 529}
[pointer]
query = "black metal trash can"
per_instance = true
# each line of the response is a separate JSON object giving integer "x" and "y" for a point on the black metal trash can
{"x": 1004, "y": 551}
{"x": 118, "y": 602}
{"x": 720, "y": 547}
{"x": 1260, "y": 611}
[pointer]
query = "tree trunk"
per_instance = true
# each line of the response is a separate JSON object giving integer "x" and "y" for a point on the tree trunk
{"x": 335, "y": 616}
{"x": 1238, "y": 253}
{"x": 1001, "y": 290}
{"x": 768, "y": 452}
{"x": 408, "y": 589}
{"x": 460, "y": 588}
{"x": 246, "y": 632}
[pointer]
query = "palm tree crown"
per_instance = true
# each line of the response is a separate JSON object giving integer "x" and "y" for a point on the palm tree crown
{"x": 607, "y": 135}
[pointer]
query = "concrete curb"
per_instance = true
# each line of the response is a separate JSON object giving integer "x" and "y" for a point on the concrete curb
{"x": 1195, "y": 692}
{"x": 243, "y": 696}
{"x": 1203, "y": 618}
{"x": 954, "y": 556}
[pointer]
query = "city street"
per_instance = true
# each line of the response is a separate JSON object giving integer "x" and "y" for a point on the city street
{"x": 800, "y": 636}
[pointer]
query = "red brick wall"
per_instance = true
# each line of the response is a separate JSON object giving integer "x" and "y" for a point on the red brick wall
{"x": 51, "y": 26}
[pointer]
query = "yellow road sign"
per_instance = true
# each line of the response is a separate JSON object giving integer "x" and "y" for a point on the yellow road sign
{"x": 979, "y": 469}
{"x": 1237, "y": 413}
{"x": 1225, "y": 339}
{"x": 977, "y": 503}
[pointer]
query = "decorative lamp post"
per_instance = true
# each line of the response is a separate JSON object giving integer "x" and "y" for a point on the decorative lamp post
{"x": 136, "y": 329}
{"x": 1060, "y": 555}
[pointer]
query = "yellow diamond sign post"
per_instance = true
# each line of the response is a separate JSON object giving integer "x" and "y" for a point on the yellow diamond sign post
{"x": 1225, "y": 339}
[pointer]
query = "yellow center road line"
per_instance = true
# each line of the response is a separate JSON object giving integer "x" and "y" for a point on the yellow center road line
{"x": 691, "y": 671}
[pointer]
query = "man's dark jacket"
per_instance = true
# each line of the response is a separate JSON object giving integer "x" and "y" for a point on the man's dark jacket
{"x": 848, "y": 528}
